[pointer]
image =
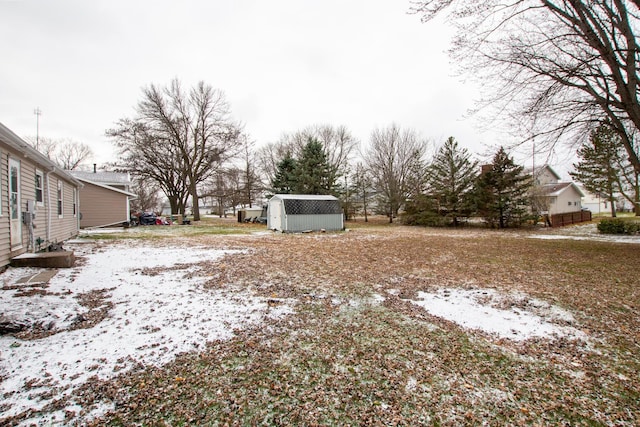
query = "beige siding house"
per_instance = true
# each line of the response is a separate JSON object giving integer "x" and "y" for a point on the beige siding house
{"x": 39, "y": 202}
{"x": 104, "y": 198}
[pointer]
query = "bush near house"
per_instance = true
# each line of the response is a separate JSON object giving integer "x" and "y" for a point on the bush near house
{"x": 618, "y": 226}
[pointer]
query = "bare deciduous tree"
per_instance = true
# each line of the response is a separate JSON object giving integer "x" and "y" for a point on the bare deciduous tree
{"x": 251, "y": 184}
{"x": 148, "y": 195}
{"x": 140, "y": 154}
{"x": 395, "y": 159}
{"x": 194, "y": 127}
{"x": 560, "y": 68}
{"x": 66, "y": 153}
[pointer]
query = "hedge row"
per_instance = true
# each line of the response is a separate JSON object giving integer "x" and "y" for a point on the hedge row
{"x": 618, "y": 226}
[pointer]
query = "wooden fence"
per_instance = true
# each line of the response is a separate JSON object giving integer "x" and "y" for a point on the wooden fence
{"x": 558, "y": 220}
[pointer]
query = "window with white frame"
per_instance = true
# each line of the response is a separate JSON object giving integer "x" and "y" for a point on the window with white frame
{"x": 75, "y": 202}
{"x": 39, "y": 183}
{"x": 60, "y": 199}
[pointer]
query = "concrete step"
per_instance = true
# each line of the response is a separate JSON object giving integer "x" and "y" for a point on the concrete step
{"x": 56, "y": 259}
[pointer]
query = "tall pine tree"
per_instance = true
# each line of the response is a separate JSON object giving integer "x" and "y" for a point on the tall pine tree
{"x": 502, "y": 192}
{"x": 599, "y": 166}
{"x": 312, "y": 170}
{"x": 285, "y": 180}
{"x": 450, "y": 179}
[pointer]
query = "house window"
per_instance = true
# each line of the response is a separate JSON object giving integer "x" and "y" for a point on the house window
{"x": 569, "y": 203}
{"x": 60, "y": 199}
{"x": 75, "y": 203}
{"x": 39, "y": 181}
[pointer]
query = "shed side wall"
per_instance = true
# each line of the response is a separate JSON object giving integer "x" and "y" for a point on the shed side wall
{"x": 329, "y": 222}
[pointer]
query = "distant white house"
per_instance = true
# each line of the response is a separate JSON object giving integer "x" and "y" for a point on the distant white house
{"x": 560, "y": 197}
{"x": 543, "y": 175}
{"x": 596, "y": 203}
{"x": 563, "y": 197}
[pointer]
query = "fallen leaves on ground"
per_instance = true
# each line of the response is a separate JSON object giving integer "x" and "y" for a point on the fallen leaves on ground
{"x": 344, "y": 358}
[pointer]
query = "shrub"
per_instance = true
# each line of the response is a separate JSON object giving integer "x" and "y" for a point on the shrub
{"x": 618, "y": 226}
{"x": 427, "y": 219}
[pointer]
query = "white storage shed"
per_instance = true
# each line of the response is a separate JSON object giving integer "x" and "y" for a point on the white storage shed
{"x": 295, "y": 213}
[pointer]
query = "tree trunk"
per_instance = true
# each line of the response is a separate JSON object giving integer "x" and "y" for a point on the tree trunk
{"x": 613, "y": 207}
{"x": 193, "y": 191}
{"x": 173, "y": 204}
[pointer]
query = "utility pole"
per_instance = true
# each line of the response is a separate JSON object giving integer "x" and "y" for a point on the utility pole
{"x": 37, "y": 112}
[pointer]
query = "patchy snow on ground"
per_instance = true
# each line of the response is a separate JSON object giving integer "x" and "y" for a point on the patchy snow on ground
{"x": 584, "y": 232}
{"x": 515, "y": 317}
{"x": 157, "y": 308}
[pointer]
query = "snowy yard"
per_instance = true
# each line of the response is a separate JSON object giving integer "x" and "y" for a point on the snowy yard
{"x": 155, "y": 305}
{"x": 347, "y": 328}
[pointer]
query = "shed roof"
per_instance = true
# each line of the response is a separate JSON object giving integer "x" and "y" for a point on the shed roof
{"x": 309, "y": 204}
{"x": 304, "y": 197}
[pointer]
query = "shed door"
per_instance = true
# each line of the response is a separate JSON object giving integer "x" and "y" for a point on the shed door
{"x": 275, "y": 215}
{"x": 14, "y": 203}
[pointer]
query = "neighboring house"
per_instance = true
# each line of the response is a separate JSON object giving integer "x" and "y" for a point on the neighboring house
{"x": 304, "y": 212}
{"x": 596, "y": 203}
{"x": 39, "y": 202}
{"x": 558, "y": 197}
{"x": 543, "y": 175}
{"x": 104, "y": 198}
{"x": 563, "y": 197}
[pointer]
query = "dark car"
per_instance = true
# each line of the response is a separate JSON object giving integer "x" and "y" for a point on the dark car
{"x": 147, "y": 218}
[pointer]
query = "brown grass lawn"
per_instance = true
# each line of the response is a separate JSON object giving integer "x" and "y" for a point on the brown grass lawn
{"x": 342, "y": 360}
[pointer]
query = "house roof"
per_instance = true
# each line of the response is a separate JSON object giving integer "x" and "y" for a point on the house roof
{"x": 539, "y": 170}
{"x": 14, "y": 141}
{"x": 108, "y": 187}
{"x": 555, "y": 189}
{"x": 108, "y": 178}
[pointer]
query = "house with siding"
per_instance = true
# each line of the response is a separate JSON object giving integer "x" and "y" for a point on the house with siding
{"x": 597, "y": 203}
{"x": 559, "y": 197}
{"x": 39, "y": 202}
{"x": 105, "y": 198}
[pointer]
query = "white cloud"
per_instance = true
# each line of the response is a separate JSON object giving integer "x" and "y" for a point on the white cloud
{"x": 283, "y": 65}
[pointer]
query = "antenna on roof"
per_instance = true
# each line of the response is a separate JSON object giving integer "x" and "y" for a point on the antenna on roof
{"x": 37, "y": 112}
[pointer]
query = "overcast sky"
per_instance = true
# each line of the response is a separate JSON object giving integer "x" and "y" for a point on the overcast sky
{"x": 283, "y": 65}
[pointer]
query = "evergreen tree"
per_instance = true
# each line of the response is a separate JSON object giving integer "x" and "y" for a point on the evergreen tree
{"x": 502, "y": 192}
{"x": 450, "y": 179}
{"x": 285, "y": 180}
{"x": 599, "y": 166}
{"x": 312, "y": 170}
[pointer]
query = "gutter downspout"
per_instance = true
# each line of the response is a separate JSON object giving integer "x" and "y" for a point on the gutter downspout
{"x": 48, "y": 227}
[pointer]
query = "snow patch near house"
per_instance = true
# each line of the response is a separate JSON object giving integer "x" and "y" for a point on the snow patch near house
{"x": 157, "y": 305}
{"x": 515, "y": 316}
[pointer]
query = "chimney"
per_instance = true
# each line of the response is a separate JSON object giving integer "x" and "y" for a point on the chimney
{"x": 94, "y": 168}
